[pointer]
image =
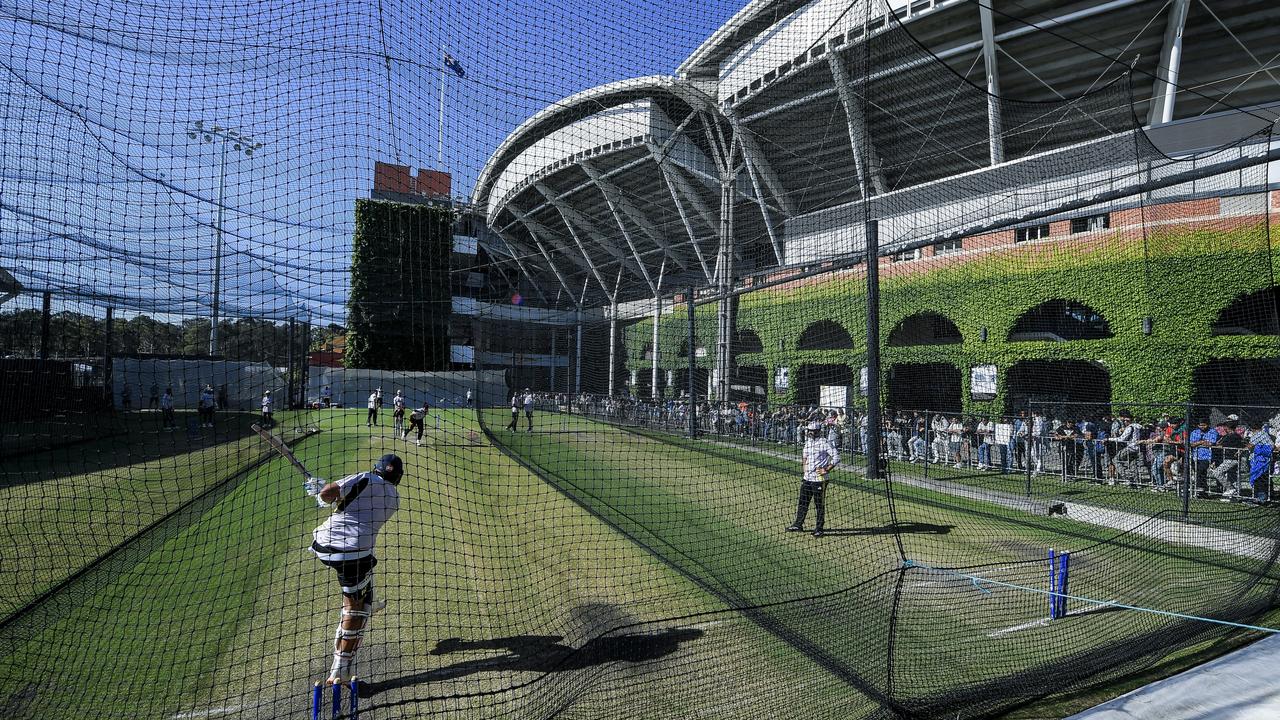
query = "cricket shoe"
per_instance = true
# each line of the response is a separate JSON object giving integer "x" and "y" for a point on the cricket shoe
{"x": 341, "y": 671}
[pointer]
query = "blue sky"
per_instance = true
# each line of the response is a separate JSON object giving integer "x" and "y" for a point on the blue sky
{"x": 103, "y": 194}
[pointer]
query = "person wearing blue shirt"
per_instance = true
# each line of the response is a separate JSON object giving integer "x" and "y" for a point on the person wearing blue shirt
{"x": 1202, "y": 441}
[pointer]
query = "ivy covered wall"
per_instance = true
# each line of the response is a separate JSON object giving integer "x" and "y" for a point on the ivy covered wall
{"x": 1181, "y": 278}
{"x": 399, "y": 306}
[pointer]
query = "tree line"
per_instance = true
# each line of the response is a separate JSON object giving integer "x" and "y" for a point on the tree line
{"x": 77, "y": 335}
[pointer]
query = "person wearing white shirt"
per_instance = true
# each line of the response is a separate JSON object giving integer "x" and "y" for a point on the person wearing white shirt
{"x": 986, "y": 432}
{"x": 818, "y": 457}
{"x": 167, "y": 421}
{"x": 528, "y": 408}
{"x": 372, "y": 418}
{"x": 397, "y": 412}
{"x": 206, "y": 405}
{"x": 362, "y": 503}
{"x": 267, "y": 419}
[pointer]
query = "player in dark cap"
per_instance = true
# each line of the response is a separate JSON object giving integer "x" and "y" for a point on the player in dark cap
{"x": 362, "y": 504}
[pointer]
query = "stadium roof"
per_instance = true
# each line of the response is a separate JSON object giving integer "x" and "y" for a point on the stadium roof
{"x": 613, "y": 194}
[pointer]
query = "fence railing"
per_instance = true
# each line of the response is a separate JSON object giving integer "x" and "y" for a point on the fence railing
{"x": 1138, "y": 446}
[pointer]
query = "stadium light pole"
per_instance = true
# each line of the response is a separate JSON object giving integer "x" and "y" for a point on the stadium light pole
{"x": 226, "y": 137}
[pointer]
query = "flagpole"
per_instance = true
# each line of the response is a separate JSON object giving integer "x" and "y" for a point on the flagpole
{"x": 440, "y": 132}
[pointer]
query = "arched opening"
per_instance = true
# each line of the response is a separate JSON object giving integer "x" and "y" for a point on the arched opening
{"x": 1235, "y": 383}
{"x": 750, "y": 383}
{"x": 747, "y": 341}
{"x": 824, "y": 335}
{"x": 700, "y": 378}
{"x": 1060, "y": 321}
{"x": 926, "y": 328}
{"x": 809, "y": 379}
{"x": 1257, "y": 313}
{"x": 699, "y": 350}
{"x": 1056, "y": 386}
{"x": 924, "y": 386}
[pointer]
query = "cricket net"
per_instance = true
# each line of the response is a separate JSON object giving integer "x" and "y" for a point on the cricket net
{"x": 987, "y": 290}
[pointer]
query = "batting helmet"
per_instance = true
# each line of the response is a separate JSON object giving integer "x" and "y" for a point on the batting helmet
{"x": 390, "y": 467}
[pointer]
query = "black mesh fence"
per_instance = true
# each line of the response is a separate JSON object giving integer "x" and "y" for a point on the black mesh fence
{"x": 832, "y": 359}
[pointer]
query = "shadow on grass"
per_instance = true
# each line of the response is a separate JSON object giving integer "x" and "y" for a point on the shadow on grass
{"x": 542, "y": 653}
{"x": 43, "y": 451}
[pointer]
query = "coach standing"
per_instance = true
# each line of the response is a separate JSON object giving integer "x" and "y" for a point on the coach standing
{"x": 818, "y": 458}
{"x": 345, "y": 542}
{"x": 528, "y": 408}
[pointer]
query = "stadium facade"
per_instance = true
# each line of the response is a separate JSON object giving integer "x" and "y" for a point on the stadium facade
{"x": 755, "y": 163}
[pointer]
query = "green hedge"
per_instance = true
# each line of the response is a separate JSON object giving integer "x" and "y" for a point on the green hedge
{"x": 400, "y": 302}
{"x": 1180, "y": 278}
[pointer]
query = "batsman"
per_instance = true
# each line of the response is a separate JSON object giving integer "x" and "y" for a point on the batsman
{"x": 819, "y": 457}
{"x": 362, "y": 504}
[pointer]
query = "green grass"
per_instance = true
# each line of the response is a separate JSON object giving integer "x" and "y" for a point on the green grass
{"x": 731, "y": 539}
{"x": 225, "y": 607}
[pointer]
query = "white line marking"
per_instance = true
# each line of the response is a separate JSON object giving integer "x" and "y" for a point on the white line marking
{"x": 207, "y": 713}
{"x": 1024, "y": 626}
{"x": 704, "y": 626}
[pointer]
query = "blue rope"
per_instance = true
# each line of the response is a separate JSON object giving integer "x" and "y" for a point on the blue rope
{"x": 975, "y": 579}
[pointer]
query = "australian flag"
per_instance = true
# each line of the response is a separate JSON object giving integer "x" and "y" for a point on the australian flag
{"x": 452, "y": 63}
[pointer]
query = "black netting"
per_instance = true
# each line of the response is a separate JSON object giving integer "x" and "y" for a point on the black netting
{"x": 598, "y": 274}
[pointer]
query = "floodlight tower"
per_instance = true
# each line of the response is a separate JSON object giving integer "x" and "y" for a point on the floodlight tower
{"x": 226, "y": 137}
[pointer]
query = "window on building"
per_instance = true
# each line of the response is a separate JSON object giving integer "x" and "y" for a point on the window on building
{"x": 949, "y": 247}
{"x": 1035, "y": 232}
{"x": 1091, "y": 223}
{"x": 907, "y": 255}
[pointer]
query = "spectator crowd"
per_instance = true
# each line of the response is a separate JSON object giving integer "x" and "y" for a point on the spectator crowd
{"x": 1227, "y": 457}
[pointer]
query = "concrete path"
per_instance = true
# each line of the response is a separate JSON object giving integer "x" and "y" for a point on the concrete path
{"x": 1239, "y": 686}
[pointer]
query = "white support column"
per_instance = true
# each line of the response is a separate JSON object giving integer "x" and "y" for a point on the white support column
{"x": 866, "y": 161}
{"x": 657, "y": 317}
{"x": 1166, "y": 86}
{"x": 724, "y": 283}
{"x": 613, "y": 346}
{"x": 577, "y": 365}
{"x": 995, "y": 124}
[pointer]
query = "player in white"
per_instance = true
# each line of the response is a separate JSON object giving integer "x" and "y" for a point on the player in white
{"x": 167, "y": 421}
{"x": 528, "y": 409}
{"x": 374, "y": 401}
{"x": 397, "y": 403}
{"x": 468, "y": 397}
{"x": 345, "y": 542}
{"x": 206, "y": 407}
{"x": 819, "y": 457}
{"x": 515, "y": 412}
{"x": 267, "y": 419}
{"x": 416, "y": 420}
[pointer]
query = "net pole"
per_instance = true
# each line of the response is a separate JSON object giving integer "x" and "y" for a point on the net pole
{"x": 657, "y": 316}
{"x": 44, "y": 325}
{"x": 555, "y": 332}
{"x": 292, "y": 371}
{"x": 693, "y": 405}
{"x": 1187, "y": 460}
{"x": 108, "y": 381}
{"x": 613, "y": 345}
{"x": 577, "y": 364}
{"x": 873, "y": 350}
